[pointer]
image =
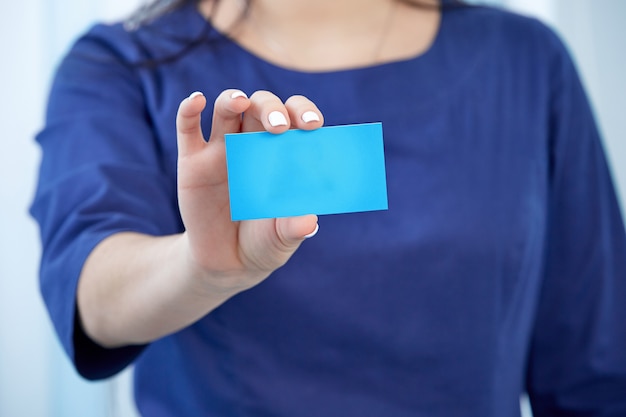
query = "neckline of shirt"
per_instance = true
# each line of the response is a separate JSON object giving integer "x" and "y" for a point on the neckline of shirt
{"x": 200, "y": 23}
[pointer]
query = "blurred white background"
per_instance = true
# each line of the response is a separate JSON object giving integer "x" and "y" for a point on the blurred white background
{"x": 36, "y": 379}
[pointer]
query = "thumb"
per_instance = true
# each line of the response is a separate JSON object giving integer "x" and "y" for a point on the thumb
{"x": 267, "y": 244}
{"x": 293, "y": 230}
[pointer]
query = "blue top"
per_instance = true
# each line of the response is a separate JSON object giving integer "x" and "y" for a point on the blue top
{"x": 499, "y": 267}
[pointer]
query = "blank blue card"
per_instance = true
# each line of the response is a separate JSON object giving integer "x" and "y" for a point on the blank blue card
{"x": 337, "y": 169}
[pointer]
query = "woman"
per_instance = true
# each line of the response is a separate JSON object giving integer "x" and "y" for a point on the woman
{"x": 499, "y": 268}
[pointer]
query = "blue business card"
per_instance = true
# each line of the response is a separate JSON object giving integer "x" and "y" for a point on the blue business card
{"x": 336, "y": 169}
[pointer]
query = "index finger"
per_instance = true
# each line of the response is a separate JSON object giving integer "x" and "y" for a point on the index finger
{"x": 188, "y": 130}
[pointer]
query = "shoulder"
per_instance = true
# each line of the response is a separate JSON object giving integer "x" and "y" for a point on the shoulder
{"x": 152, "y": 41}
{"x": 508, "y": 33}
{"x": 507, "y": 46}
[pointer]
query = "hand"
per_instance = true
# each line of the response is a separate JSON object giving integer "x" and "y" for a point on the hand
{"x": 233, "y": 256}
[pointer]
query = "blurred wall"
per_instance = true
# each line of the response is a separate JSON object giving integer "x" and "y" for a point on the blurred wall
{"x": 36, "y": 379}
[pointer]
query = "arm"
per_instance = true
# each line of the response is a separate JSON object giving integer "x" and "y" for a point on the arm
{"x": 106, "y": 204}
{"x": 136, "y": 288}
{"x": 577, "y": 363}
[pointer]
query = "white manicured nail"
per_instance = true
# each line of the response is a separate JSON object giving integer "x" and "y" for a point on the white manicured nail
{"x": 314, "y": 232}
{"x": 310, "y": 116}
{"x": 238, "y": 93}
{"x": 276, "y": 118}
{"x": 194, "y": 95}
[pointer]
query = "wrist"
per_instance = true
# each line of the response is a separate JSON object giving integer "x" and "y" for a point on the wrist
{"x": 218, "y": 284}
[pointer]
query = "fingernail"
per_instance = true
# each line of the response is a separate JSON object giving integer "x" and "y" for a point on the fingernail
{"x": 276, "y": 118}
{"x": 310, "y": 116}
{"x": 238, "y": 93}
{"x": 313, "y": 233}
{"x": 194, "y": 95}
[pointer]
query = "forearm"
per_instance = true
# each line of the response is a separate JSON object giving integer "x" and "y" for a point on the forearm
{"x": 136, "y": 288}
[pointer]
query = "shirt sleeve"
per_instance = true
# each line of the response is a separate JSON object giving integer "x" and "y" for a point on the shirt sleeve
{"x": 102, "y": 172}
{"x": 577, "y": 363}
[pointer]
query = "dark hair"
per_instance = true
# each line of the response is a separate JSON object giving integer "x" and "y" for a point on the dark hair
{"x": 153, "y": 10}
